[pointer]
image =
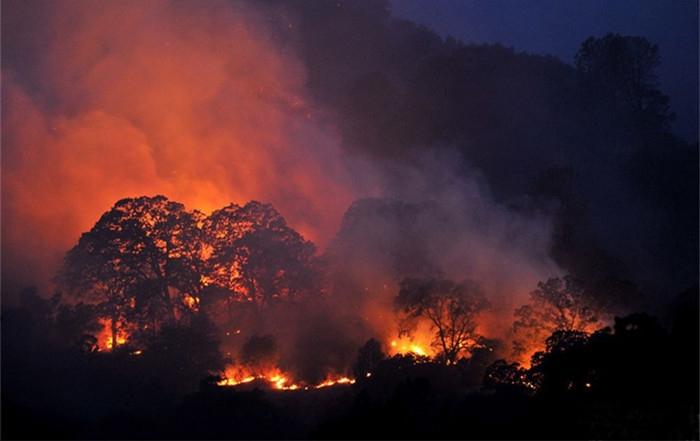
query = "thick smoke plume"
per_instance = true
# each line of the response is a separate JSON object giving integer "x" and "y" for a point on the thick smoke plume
{"x": 436, "y": 224}
{"x": 100, "y": 105}
{"x": 195, "y": 101}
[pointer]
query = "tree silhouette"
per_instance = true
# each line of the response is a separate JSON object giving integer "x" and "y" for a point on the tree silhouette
{"x": 257, "y": 257}
{"x": 502, "y": 375}
{"x": 184, "y": 353}
{"x": 563, "y": 365}
{"x": 141, "y": 262}
{"x": 622, "y": 69}
{"x": 368, "y": 357}
{"x": 450, "y": 307}
{"x": 78, "y": 325}
{"x": 556, "y": 305}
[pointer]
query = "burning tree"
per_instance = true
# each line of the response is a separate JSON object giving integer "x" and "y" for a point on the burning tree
{"x": 149, "y": 261}
{"x": 140, "y": 262}
{"x": 450, "y": 307}
{"x": 257, "y": 257}
{"x": 556, "y": 305}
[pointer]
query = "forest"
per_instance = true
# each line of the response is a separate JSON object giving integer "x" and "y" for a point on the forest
{"x": 133, "y": 345}
{"x": 524, "y": 266}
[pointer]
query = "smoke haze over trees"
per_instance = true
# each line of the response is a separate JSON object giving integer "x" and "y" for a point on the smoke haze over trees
{"x": 544, "y": 135}
{"x": 450, "y": 233}
{"x": 574, "y": 140}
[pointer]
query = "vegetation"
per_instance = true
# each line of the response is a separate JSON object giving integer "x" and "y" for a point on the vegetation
{"x": 634, "y": 380}
{"x": 165, "y": 275}
{"x": 451, "y": 308}
{"x": 556, "y": 305}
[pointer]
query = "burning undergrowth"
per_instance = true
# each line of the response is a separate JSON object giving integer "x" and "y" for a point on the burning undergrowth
{"x": 429, "y": 279}
{"x": 424, "y": 248}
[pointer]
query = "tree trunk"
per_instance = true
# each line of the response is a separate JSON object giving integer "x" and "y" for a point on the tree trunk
{"x": 165, "y": 293}
{"x": 114, "y": 333}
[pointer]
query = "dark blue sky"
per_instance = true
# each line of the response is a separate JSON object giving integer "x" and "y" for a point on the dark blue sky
{"x": 558, "y": 27}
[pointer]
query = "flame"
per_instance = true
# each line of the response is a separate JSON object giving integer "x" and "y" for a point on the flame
{"x": 104, "y": 337}
{"x": 403, "y": 347}
{"x": 191, "y": 302}
{"x": 276, "y": 378}
{"x": 239, "y": 95}
{"x": 120, "y": 341}
{"x": 418, "y": 342}
{"x": 536, "y": 342}
{"x": 235, "y": 375}
{"x": 333, "y": 381}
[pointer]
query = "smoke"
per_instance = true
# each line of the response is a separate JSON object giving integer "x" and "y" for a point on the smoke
{"x": 209, "y": 103}
{"x": 438, "y": 219}
{"x": 200, "y": 102}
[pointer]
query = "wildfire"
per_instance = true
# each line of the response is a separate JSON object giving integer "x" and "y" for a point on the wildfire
{"x": 104, "y": 338}
{"x": 234, "y": 382}
{"x": 333, "y": 382}
{"x": 121, "y": 339}
{"x": 191, "y": 302}
{"x": 235, "y": 376}
{"x": 417, "y": 342}
{"x": 276, "y": 379}
{"x": 399, "y": 347}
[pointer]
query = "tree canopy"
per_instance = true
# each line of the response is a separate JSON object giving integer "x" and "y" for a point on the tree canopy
{"x": 556, "y": 305}
{"x": 623, "y": 70}
{"x": 256, "y": 256}
{"x": 451, "y": 308}
{"x": 148, "y": 261}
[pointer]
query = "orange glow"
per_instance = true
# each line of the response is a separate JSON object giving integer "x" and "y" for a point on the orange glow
{"x": 230, "y": 124}
{"x": 407, "y": 347}
{"x": 120, "y": 341}
{"x": 104, "y": 338}
{"x": 191, "y": 302}
{"x": 418, "y": 342}
{"x": 536, "y": 342}
{"x": 236, "y": 375}
{"x": 334, "y": 381}
{"x": 276, "y": 379}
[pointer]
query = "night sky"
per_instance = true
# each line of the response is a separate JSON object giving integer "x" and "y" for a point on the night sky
{"x": 558, "y": 27}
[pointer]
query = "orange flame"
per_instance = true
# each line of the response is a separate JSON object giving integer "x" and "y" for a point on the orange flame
{"x": 191, "y": 302}
{"x": 104, "y": 338}
{"x": 333, "y": 381}
{"x": 417, "y": 342}
{"x": 276, "y": 379}
{"x": 236, "y": 375}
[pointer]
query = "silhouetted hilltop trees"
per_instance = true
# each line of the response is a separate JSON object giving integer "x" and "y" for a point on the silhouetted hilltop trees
{"x": 629, "y": 381}
{"x": 398, "y": 89}
{"x": 451, "y": 308}
{"x": 148, "y": 262}
{"x": 556, "y": 306}
{"x": 257, "y": 256}
{"x": 637, "y": 379}
{"x": 588, "y": 145}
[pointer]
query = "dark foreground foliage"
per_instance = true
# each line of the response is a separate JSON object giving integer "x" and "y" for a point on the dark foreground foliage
{"x": 635, "y": 380}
